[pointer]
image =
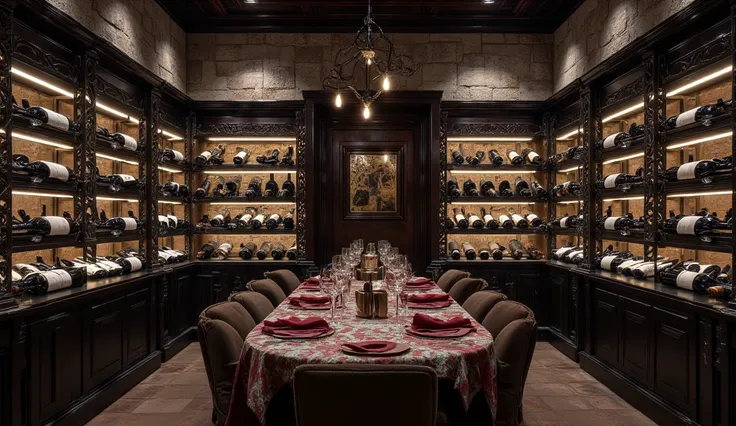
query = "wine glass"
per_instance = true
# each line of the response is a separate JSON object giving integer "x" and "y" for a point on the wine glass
{"x": 328, "y": 284}
{"x": 359, "y": 244}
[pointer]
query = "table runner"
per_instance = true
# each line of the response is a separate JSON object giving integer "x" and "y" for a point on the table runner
{"x": 267, "y": 363}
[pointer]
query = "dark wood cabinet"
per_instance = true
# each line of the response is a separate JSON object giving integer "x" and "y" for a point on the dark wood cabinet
{"x": 635, "y": 339}
{"x": 605, "y": 326}
{"x": 674, "y": 365}
{"x": 137, "y": 326}
{"x": 106, "y": 345}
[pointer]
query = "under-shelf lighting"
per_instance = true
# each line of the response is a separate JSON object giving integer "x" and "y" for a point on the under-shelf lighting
{"x": 260, "y": 203}
{"x": 489, "y": 139}
{"x": 110, "y": 157}
{"x": 494, "y": 172}
{"x": 166, "y": 169}
{"x": 116, "y": 199}
{"x": 40, "y": 140}
{"x": 628, "y": 157}
{"x": 171, "y": 136}
{"x": 569, "y": 202}
{"x": 622, "y": 112}
{"x": 489, "y": 203}
{"x": 247, "y": 172}
{"x": 252, "y": 139}
{"x": 42, "y": 194}
{"x": 569, "y": 135}
{"x": 700, "y": 81}
{"x": 134, "y": 120}
{"x": 571, "y": 169}
{"x": 112, "y": 111}
{"x": 41, "y": 82}
{"x": 699, "y": 194}
{"x": 169, "y": 202}
{"x": 608, "y": 200}
{"x": 700, "y": 140}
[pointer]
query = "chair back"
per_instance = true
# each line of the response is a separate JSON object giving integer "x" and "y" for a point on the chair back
{"x": 514, "y": 330}
{"x": 386, "y": 395}
{"x": 284, "y": 278}
{"x": 450, "y": 278}
{"x": 464, "y": 288}
{"x": 257, "y": 305}
{"x": 222, "y": 329}
{"x": 268, "y": 288}
{"x": 480, "y": 303}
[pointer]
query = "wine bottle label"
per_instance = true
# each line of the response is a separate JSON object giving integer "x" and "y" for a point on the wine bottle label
{"x": 531, "y": 156}
{"x": 164, "y": 254}
{"x": 240, "y": 155}
{"x": 135, "y": 263}
{"x": 610, "y": 141}
{"x": 503, "y": 218}
{"x": 130, "y": 224}
{"x": 645, "y": 268}
{"x": 128, "y": 142}
{"x": 687, "y": 170}
{"x": 610, "y": 181}
{"x": 126, "y": 178}
{"x": 563, "y": 222}
{"x": 606, "y": 262}
{"x": 59, "y": 225}
{"x": 245, "y": 218}
{"x": 686, "y": 225}
{"x": 274, "y": 216}
{"x": 57, "y": 279}
{"x": 487, "y": 218}
{"x": 174, "y": 187}
{"x": 57, "y": 171}
{"x": 178, "y": 156}
{"x": 459, "y": 217}
{"x": 219, "y": 217}
{"x": 516, "y": 218}
{"x": 25, "y": 268}
{"x": 174, "y": 218}
{"x": 531, "y": 217}
{"x": 687, "y": 117}
{"x": 163, "y": 220}
{"x": 629, "y": 263}
{"x": 610, "y": 223}
{"x": 473, "y": 218}
{"x": 206, "y": 155}
{"x": 260, "y": 218}
{"x": 17, "y": 277}
{"x": 226, "y": 247}
{"x": 685, "y": 279}
{"x": 91, "y": 268}
{"x": 513, "y": 155}
{"x": 563, "y": 251}
{"x": 56, "y": 120}
{"x": 110, "y": 265}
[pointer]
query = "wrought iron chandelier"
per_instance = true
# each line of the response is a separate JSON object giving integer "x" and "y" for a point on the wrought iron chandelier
{"x": 370, "y": 58}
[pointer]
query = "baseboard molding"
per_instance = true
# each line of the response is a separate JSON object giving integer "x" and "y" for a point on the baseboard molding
{"x": 650, "y": 404}
{"x": 563, "y": 344}
{"x": 85, "y": 409}
{"x": 178, "y": 343}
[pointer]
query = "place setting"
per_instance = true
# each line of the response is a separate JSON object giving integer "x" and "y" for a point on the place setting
{"x": 427, "y": 300}
{"x": 431, "y": 327}
{"x": 297, "y": 328}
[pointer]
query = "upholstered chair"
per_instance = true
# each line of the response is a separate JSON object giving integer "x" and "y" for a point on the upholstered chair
{"x": 449, "y": 278}
{"x": 287, "y": 280}
{"x": 514, "y": 331}
{"x": 257, "y": 305}
{"x": 365, "y": 395}
{"x": 465, "y": 287}
{"x": 480, "y": 303}
{"x": 222, "y": 330}
{"x": 268, "y": 288}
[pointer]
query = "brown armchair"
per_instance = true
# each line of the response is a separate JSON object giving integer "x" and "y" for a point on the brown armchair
{"x": 284, "y": 278}
{"x": 222, "y": 330}
{"x": 480, "y": 303}
{"x": 514, "y": 330}
{"x": 268, "y": 288}
{"x": 465, "y": 288}
{"x": 449, "y": 278}
{"x": 257, "y": 305}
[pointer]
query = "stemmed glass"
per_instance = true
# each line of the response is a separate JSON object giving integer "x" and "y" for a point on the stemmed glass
{"x": 399, "y": 280}
{"x": 328, "y": 284}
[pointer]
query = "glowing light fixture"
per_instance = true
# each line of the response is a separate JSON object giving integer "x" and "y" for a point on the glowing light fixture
{"x": 30, "y": 138}
{"x": 698, "y": 194}
{"x": 110, "y": 157}
{"x": 248, "y": 172}
{"x": 608, "y": 200}
{"x": 42, "y": 194}
{"x": 338, "y": 100}
{"x": 623, "y": 112}
{"x": 488, "y": 139}
{"x": 700, "y": 81}
{"x": 166, "y": 169}
{"x": 493, "y": 172}
{"x": 367, "y": 112}
{"x": 116, "y": 199}
{"x": 386, "y": 84}
{"x": 569, "y": 135}
{"x": 700, "y": 140}
{"x": 169, "y": 202}
{"x": 571, "y": 169}
{"x": 628, "y": 157}
{"x": 489, "y": 203}
{"x": 238, "y": 203}
{"x": 41, "y": 82}
{"x": 252, "y": 139}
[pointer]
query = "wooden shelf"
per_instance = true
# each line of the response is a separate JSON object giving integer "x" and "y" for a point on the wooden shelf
{"x": 164, "y": 233}
{"x": 636, "y": 145}
{"x": 606, "y": 193}
{"x": 499, "y": 200}
{"x": 104, "y": 236}
{"x": 721, "y": 243}
{"x": 225, "y": 168}
{"x": 103, "y": 147}
{"x": 256, "y": 200}
{"x": 253, "y": 262}
{"x": 23, "y": 183}
{"x": 697, "y": 130}
{"x": 493, "y": 167}
{"x": 23, "y": 123}
{"x": 499, "y": 231}
{"x": 247, "y": 231}
{"x": 636, "y": 237}
{"x": 721, "y": 182}
{"x": 23, "y": 243}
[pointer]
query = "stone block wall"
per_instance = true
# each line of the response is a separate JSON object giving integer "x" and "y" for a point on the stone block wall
{"x": 139, "y": 28}
{"x": 600, "y": 28}
{"x": 280, "y": 66}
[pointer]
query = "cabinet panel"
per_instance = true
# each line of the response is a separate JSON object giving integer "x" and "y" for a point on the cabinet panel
{"x": 106, "y": 340}
{"x": 635, "y": 338}
{"x": 605, "y": 330}
{"x": 137, "y": 326}
{"x": 181, "y": 309}
{"x": 555, "y": 305}
{"x": 526, "y": 293}
{"x": 674, "y": 368}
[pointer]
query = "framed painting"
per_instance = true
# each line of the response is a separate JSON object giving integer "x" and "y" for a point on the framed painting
{"x": 374, "y": 188}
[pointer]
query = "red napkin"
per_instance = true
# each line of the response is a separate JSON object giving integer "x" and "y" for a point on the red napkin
{"x": 428, "y": 298}
{"x": 296, "y": 327}
{"x": 419, "y": 281}
{"x": 312, "y": 280}
{"x": 426, "y": 322}
{"x": 371, "y": 346}
{"x": 308, "y": 301}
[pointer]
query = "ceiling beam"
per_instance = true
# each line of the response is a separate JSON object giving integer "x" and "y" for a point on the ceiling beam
{"x": 218, "y": 7}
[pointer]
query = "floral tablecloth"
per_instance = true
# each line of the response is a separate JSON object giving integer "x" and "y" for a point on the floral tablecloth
{"x": 267, "y": 363}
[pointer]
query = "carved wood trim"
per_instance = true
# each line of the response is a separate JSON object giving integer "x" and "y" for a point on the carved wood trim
{"x": 246, "y": 129}
{"x": 473, "y": 129}
{"x": 45, "y": 60}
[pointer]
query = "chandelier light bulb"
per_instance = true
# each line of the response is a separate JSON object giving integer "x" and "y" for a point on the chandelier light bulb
{"x": 366, "y": 112}
{"x": 338, "y": 100}
{"x": 368, "y": 61}
{"x": 386, "y": 84}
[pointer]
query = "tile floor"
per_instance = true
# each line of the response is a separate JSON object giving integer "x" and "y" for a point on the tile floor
{"x": 558, "y": 393}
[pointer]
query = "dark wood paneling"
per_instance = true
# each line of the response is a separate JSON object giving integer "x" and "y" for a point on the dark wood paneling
{"x": 137, "y": 326}
{"x": 106, "y": 340}
{"x": 635, "y": 338}
{"x": 605, "y": 326}
{"x": 674, "y": 367}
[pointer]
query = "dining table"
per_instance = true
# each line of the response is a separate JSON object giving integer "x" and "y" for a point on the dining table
{"x": 267, "y": 363}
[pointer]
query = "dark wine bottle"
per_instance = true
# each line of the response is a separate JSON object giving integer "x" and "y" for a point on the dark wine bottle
{"x": 496, "y": 157}
{"x": 254, "y": 188}
{"x": 278, "y": 251}
{"x": 241, "y": 221}
{"x": 454, "y": 250}
{"x": 567, "y": 188}
{"x": 263, "y": 252}
{"x": 517, "y": 249}
{"x": 211, "y": 157}
{"x": 476, "y": 159}
{"x": 223, "y": 251}
{"x": 521, "y": 187}
{"x": 519, "y": 220}
{"x": 469, "y": 189}
{"x": 457, "y": 155}
{"x": 703, "y": 170}
{"x": 118, "y": 225}
{"x": 207, "y": 250}
{"x": 203, "y": 189}
{"x": 460, "y": 219}
{"x": 534, "y": 253}
{"x": 622, "y": 180}
{"x": 539, "y": 192}
{"x": 43, "y": 116}
{"x": 613, "y": 141}
{"x": 636, "y": 130}
{"x": 53, "y": 280}
{"x": 172, "y": 155}
{"x": 697, "y": 225}
{"x": 288, "y": 158}
{"x": 453, "y": 190}
{"x": 489, "y": 220}
{"x": 514, "y": 157}
{"x": 241, "y": 156}
{"x": 219, "y": 221}
{"x": 534, "y": 220}
{"x": 504, "y": 188}
{"x": 272, "y": 188}
{"x": 287, "y": 189}
{"x": 505, "y": 221}
{"x": 621, "y": 224}
{"x": 273, "y": 221}
{"x": 484, "y": 253}
{"x": 45, "y": 225}
{"x": 469, "y": 251}
{"x": 129, "y": 264}
{"x": 271, "y": 159}
{"x": 703, "y": 114}
{"x": 532, "y": 157}
{"x": 247, "y": 250}
{"x": 475, "y": 221}
{"x": 258, "y": 220}
{"x": 487, "y": 189}
{"x": 291, "y": 253}
{"x": 497, "y": 251}
{"x": 40, "y": 171}
{"x": 288, "y": 220}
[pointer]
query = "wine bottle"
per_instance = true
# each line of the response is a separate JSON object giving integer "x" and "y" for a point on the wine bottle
{"x": 287, "y": 188}
{"x": 621, "y": 224}
{"x": 170, "y": 189}
{"x": 241, "y": 221}
{"x": 484, "y": 253}
{"x": 39, "y": 171}
{"x": 475, "y": 221}
{"x": 270, "y": 159}
{"x": 457, "y": 155}
{"x": 272, "y": 188}
{"x": 220, "y": 219}
{"x": 628, "y": 263}
{"x": 514, "y": 157}
{"x": 219, "y": 190}
{"x": 24, "y": 269}
{"x": 698, "y": 225}
{"x": 460, "y": 219}
{"x": 263, "y": 251}
{"x": 41, "y": 265}
{"x": 519, "y": 220}
{"x": 203, "y": 189}
{"x": 497, "y": 251}
{"x": 534, "y": 253}
{"x": 291, "y": 253}
{"x": 574, "y": 153}
{"x": 172, "y": 155}
{"x": 490, "y": 222}
{"x": 93, "y": 271}
{"x": 636, "y": 130}
{"x": 702, "y": 114}
{"x": 288, "y": 158}
{"x": 453, "y": 190}
{"x": 117, "y": 182}
{"x": 532, "y": 157}
{"x": 622, "y": 180}
{"x": 469, "y": 251}
{"x": 241, "y": 156}
{"x": 119, "y": 140}
{"x": 517, "y": 249}
{"x": 505, "y": 221}
{"x": 611, "y": 261}
{"x": 223, "y": 251}
{"x": 113, "y": 269}
{"x": 118, "y": 225}
{"x": 703, "y": 170}
{"x": 495, "y": 157}
{"x": 567, "y": 188}
{"x": 257, "y": 221}
{"x": 558, "y": 253}
{"x": 521, "y": 187}
{"x": 273, "y": 221}
{"x": 644, "y": 271}
{"x": 476, "y": 159}
{"x": 487, "y": 189}
{"x": 53, "y": 280}
{"x": 469, "y": 189}
{"x": 247, "y": 250}
{"x": 454, "y": 250}
{"x": 539, "y": 192}
{"x": 534, "y": 220}
{"x": 504, "y": 188}
{"x": 288, "y": 220}
{"x": 614, "y": 140}
{"x": 43, "y": 116}
{"x": 277, "y": 251}
{"x": 232, "y": 186}
{"x": 45, "y": 225}
{"x": 129, "y": 263}
{"x": 254, "y": 188}
{"x": 210, "y": 157}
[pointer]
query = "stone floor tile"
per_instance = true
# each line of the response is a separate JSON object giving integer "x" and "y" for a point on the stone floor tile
{"x": 534, "y": 403}
{"x": 124, "y": 405}
{"x": 200, "y": 404}
{"x": 548, "y": 389}
{"x": 605, "y": 402}
{"x": 160, "y": 405}
{"x": 566, "y": 403}
{"x": 592, "y": 388}
{"x": 179, "y": 391}
{"x": 143, "y": 391}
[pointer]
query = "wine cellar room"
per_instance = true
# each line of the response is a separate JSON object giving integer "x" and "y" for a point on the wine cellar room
{"x": 158, "y": 157}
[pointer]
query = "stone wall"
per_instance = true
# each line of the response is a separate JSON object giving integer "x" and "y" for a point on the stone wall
{"x": 280, "y": 66}
{"x": 139, "y": 28}
{"x": 600, "y": 28}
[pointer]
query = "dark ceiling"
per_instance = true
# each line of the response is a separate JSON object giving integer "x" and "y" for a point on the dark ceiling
{"x": 407, "y": 16}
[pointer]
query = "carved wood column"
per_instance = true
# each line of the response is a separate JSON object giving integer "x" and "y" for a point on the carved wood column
{"x": 301, "y": 187}
{"x": 150, "y": 173}
{"x": 85, "y": 195}
{"x": 443, "y": 187}
{"x": 6, "y": 152}
{"x": 732, "y": 302}
{"x": 590, "y": 125}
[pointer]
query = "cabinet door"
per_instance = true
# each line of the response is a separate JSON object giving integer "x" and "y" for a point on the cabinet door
{"x": 605, "y": 326}
{"x": 570, "y": 305}
{"x": 674, "y": 366}
{"x": 137, "y": 326}
{"x": 635, "y": 338}
{"x": 554, "y": 303}
{"x": 55, "y": 364}
{"x": 526, "y": 293}
{"x": 106, "y": 340}
{"x": 182, "y": 309}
